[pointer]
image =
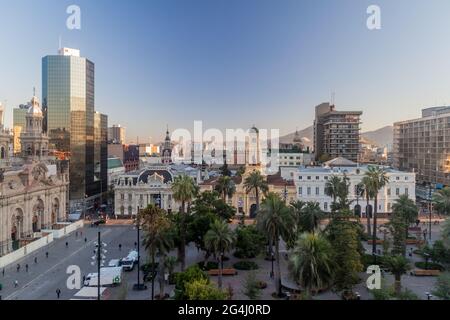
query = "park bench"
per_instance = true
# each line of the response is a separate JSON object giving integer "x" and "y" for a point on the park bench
{"x": 423, "y": 273}
{"x": 377, "y": 241}
{"x": 225, "y": 272}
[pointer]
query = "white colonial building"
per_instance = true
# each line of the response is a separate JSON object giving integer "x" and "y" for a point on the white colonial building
{"x": 33, "y": 188}
{"x": 310, "y": 183}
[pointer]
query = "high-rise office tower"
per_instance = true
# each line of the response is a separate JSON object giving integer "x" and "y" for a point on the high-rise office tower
{"x": 68, "y": 105}
{"x": 116, "y": 134}
{"x": 336, "y": 133}
{"x": 101, "y": 150}
{"x": 423, "y": 146}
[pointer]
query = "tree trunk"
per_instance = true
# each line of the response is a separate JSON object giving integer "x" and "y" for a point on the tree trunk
{"x": 398, "y": 285}
{"x": 162, "y": 280}
{"x": 374, "y": 238}
{"x": 368, "y": 216}
{"x": 257, "y": 199}
{"x": 182, "y": 251}
{"x": 220, "y": 272}
{"x": 278, "y": 276}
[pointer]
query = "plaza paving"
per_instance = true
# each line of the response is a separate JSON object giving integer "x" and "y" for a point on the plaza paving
{"x": 44, "y": 278}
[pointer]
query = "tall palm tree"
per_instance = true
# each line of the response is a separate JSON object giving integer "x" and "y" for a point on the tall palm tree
{"x": 311, "y": 262}
{"x": 441, "y": 200}
{"x": 255, "y": 181}
{"x": 297, "y": 207}
{"x": 398, "y": 265}
{"x": 332, "y": 188}
{"x": 310, "y": 217}
{"x": 156, "y": 224}
{"x": 378, "y": 179}
{"x": 369, "y": 194}
{"x": 184, "y": 190}
{"x": 218, "y": 240}
{"x": 226, "y": 187}
{"x": 276, "y": 220}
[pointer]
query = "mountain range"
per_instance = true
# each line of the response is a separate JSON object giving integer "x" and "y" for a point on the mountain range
{"x": 380, "y": 137}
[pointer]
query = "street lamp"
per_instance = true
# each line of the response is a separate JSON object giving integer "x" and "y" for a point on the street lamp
{"x": 429, "y": 209}
{"x": 272, "y": 258}
{"x": 138, "y": 286}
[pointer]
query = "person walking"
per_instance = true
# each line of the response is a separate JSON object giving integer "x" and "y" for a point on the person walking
{"x": 46, "y": 254}
{"x": 85, "y": 239}
{"x": 67, "y": 244}
{"x": 16, "y": 283}
{"x": 26, "y": 267}
{"x": 18, "y": 267}
{"x": 120, "y": 247}
{"x": 35, "y": 259}
{"x": 58, "y": 292}
{"x": 3, "y": 272}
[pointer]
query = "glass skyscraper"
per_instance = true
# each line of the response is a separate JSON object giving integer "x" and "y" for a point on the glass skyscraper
{"x": 68, "y": 104}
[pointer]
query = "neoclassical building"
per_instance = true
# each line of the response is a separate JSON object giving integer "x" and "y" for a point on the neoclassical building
{"x": 136, "y": 190}
{"x": 33, "y": 188}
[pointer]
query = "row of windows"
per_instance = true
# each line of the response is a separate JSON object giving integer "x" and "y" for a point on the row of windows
{"x": 397, "y": 178}
{"x": 317, "y": 191}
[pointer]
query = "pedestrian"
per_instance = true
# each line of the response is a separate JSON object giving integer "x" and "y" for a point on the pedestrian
{"x": 135, "y": 244}
{"x": 58, "y": 292}
{"x": 18, "y": 267}
{"x": 26, "y": 267}
{"x": 81, "y": 233}
{"x": 120, "y": 246}
{"x": 3, "y": 272}
{"x": 16, "y": 283}
{"x": 67, "y": 244}
{"x": 76, "y": 233}
{"x": 35, "y": 259}
{"x": 85, "y": 239}
{"x": 84, "y": 279}
{"x": 46, "y": 254}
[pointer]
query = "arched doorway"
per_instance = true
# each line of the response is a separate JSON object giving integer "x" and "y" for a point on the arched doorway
{"x": 55, "y": 211}
{"x": 357, "y": 210}
{"x": 38, "y": 216}
{"x": 369, "y": 210}
{"x": 253, "y": 211}
{"x": 16, "y": 228}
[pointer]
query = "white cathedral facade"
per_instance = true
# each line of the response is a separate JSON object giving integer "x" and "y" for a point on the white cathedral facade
{"x": 33, "y": 187}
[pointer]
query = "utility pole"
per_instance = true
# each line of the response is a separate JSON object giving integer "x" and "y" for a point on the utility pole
{"x": 99, "y": 260}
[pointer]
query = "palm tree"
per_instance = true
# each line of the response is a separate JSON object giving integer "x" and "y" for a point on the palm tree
{"x": 398, "y": 265}
{"x": 369, "y": 194}
{"x": 218, "y": 240}
{"x": 378, "y": 179}
{"x": 311, "y": 262}
{"x": 445, "y": 232}
{"x": 310, "y": 217}
{"x": 276, "y": 220}
{"x": 297, "y": 207}
{"x": 226, "y": 187}
{"x": 157, "y": 241}
{"x": 184, "y": 190}
{"x": 407, "y": 209}
{"x": 255, "y": 181}
{"x": 441, "y": 200}
{"x": 332, "y": 190}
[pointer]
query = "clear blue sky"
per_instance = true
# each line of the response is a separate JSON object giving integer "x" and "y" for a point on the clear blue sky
{"x": 234, "y": 63}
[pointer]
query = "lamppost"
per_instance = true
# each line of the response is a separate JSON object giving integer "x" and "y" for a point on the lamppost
{"x": 430, "y": 209}
{"x": 138, "y": 286}
{"x": 272, "y": 258}
{"x": 99, "y": 256}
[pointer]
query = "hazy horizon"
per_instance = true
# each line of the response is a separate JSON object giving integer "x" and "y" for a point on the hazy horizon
{"x": 234, "y": 64}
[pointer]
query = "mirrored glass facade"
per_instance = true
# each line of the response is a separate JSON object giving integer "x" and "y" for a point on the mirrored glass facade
{"x": 68, "y": 103}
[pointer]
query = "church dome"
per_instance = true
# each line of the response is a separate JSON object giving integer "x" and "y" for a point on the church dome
{"x": 35, "y": 109}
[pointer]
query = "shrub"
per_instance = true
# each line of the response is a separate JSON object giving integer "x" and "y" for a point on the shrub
{"x": 191, "y": 274}
{"x": 368, "y": 260}
{"x": 249, "y": 242}
{"x": 209, "y": 265}
{"x": 429, "y": 266}
{"x": 245, "y": 265}
{"x": 173, "y": 278}
{"x": 442, "y": 287}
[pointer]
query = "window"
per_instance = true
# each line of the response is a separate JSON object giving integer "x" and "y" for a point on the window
{"x": 309, "y": 177}
{"x": 141, "y": 197}
{"x": 406, "y": 191}
{"x": 308, "y": 191}
{"x": 300, "y": 177}
{"x": 397, "y": 191}
{"x": 122, "y": 196}
{"x": 325, "y": 206}
{"x": 317, "y": 178}
{"x": 130, "y": 210}
{"x": 326, "y": 177}
{"x": 389, "y": 206}
{"x": 300, "y": 190}
{"x": 317, "y": 191}
{"x": 388, "y": 191}
{"x": 130, "y": 197}
{"x": 397, "y": 178}
{"x": 406, "y": 178}
{"x": 122, "y": 210}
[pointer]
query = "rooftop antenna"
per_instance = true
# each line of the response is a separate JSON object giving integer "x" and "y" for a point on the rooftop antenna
{"x": 59, "y": 45}
{"x": 34, "y": 91}
{"x": 333, "y": 97}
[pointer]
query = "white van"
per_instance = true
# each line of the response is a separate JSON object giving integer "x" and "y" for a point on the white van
{"x": 129, "y": 261}
{"x": 114, "y": 263}
{"x": 109, "y": 276}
